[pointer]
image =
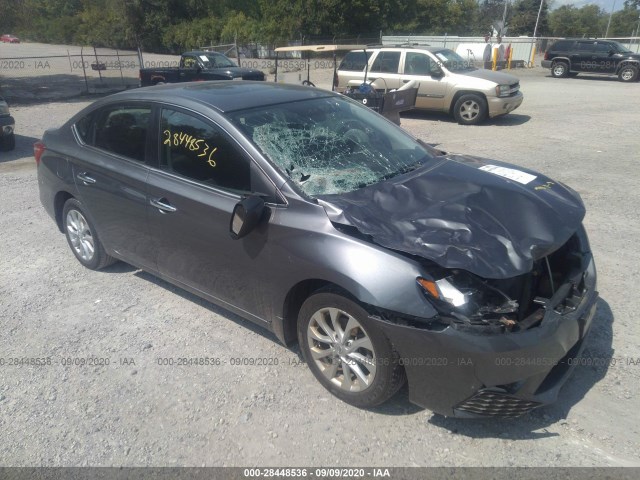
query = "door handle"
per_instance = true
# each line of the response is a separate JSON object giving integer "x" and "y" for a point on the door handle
{"x": 86, "y": 178}
{"x": 163, "y": 205}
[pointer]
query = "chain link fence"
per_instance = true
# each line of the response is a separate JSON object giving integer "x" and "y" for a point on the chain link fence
{"x": 40, "y": 72}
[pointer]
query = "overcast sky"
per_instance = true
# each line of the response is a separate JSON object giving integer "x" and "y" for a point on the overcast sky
{"x": 603, "y": 4}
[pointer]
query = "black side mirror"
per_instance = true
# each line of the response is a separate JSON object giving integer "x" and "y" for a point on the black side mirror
{"x": 246, "y": 216}
{"x": 612, "y": 52}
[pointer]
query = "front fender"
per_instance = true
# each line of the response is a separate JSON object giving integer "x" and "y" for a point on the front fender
{"x": 373, "y": 274}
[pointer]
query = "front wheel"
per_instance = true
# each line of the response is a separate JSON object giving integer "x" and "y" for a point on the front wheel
{"x": 470, "y": 109}
{"x": 83, "y": 238}
{"x": 628, "y": 73}
{"x": 346, "y": 352}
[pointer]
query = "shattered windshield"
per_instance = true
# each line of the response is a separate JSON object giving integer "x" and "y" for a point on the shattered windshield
{"x": 453, "y": 61}
{"x": 330, "y": 145}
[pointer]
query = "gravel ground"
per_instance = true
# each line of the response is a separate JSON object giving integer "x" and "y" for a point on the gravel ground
{"x": 134, "y": 412}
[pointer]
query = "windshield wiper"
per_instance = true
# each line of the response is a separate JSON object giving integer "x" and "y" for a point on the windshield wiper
{"x": 406, "y": 169}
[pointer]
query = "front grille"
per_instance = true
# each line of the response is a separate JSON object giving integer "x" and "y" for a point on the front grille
{"x": 514, "y": 89}
{"x": 496, "y": 403}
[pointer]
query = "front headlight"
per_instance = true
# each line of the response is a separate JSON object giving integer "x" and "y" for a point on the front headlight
{"x": 503, "y": 90}
{"x": 4, "y": 108}
{"x": 468, "y": 299}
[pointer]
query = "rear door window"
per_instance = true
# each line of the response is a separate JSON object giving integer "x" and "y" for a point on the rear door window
{"x": 121, "y": 130}
{"x": 386, "y": 62}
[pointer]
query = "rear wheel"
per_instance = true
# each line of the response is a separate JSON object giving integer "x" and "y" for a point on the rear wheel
{"x": 83, "y": 238}
{"x": 346, "y": 352}
{"x": 628, "y": 73}
{"x": 560, "y": 69}
{"x": 470, "y": 109}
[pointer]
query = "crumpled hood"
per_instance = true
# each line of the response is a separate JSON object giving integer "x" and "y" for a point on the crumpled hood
{"x": 464, "y": 212}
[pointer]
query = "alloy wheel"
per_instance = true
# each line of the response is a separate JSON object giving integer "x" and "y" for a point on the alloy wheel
{"x": 341, "y": 349}
{"x": 469, "y": 110}
{"x": 80, "y": 235}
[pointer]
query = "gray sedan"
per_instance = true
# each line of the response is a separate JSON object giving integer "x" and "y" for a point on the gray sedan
{"x": 313, "y": 216}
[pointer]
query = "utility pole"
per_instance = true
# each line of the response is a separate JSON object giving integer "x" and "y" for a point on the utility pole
{"x": 504, "y": 15}
{"x": 532, "y": 51}
{"x": 606, "y": 34}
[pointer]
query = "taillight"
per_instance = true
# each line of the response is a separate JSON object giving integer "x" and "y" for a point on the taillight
{"x": 38, "y": 150}
{"x": 546, "y": 55}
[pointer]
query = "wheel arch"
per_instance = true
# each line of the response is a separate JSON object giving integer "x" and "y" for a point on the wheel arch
{"x": 466, "y": 92}
{"x": 624, "y": 63}
{"x": 58, "y": 205}
{"x": 561, "y": 59}
{"x": 285, "y": 328}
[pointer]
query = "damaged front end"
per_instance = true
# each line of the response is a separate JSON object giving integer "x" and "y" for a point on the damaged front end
{"x": 498, "y": 347}
{"x": 470, "y": 303}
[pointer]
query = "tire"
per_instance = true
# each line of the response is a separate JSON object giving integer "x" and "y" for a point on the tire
{"x": 470, "y": 109}
{"x": 560, "y": 69}
{"x": 328, "y": 348}
{"x": 83, "y": 238}
{"x": 628, "y": 73}
{"x": 8, "y": 143}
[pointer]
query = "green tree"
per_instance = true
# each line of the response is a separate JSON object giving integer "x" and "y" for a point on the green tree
{"x": 525, "y": 13}
{"x": 568, "y": 21}
{"x": 625, "y": 22}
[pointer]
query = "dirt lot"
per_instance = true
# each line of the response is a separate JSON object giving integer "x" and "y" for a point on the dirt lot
{"x": 134, "y": 412}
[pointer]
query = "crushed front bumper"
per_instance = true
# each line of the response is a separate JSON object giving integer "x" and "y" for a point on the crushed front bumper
{"x": 463, "y": 374}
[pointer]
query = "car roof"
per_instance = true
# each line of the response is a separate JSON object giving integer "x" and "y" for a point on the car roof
{"x": 225, "y": 96}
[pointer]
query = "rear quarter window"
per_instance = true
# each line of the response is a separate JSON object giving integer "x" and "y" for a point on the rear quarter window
{"x": 561, "y": 46}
